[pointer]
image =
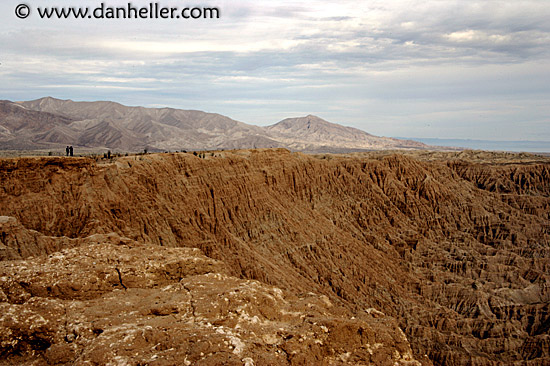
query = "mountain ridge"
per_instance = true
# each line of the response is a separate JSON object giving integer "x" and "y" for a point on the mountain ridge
{"x": 111, "y": 125}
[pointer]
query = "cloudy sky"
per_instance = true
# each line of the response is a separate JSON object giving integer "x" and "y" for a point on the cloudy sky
{"x": 445, "y": 69}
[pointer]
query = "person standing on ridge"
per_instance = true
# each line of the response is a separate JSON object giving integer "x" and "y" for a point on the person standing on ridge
{"x": 71, "y": 150}
{"x": 67, "y": 150}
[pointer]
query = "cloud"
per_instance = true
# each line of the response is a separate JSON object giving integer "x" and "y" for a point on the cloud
{"x": 383, "y": 66}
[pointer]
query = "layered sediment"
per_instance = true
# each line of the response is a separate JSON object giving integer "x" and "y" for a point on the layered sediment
{"x": 453, "y": 250}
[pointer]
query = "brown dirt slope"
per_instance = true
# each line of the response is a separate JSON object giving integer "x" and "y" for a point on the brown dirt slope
{"x": 457, "y": 251}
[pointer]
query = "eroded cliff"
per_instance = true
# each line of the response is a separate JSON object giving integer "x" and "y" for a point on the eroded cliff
{"x": 456, "y": 251}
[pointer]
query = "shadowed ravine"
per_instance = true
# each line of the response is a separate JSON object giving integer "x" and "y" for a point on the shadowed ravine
{"x": 455, "y": 248}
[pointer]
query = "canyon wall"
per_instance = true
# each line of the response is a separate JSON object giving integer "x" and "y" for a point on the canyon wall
{"x": 456, "y": 250}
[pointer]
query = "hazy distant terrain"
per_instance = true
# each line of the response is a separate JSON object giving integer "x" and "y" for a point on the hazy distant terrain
{"x": 49, "y": 123}
{"x": 526, "y": 146}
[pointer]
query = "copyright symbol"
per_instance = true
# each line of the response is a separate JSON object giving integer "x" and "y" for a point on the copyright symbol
{"x": 22, "y": 11}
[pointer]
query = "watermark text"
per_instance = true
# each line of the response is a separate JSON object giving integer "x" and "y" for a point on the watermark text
{"x": 129, "y": 11}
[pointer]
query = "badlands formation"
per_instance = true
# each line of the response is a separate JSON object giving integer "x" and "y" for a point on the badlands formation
{"x": 265, "y": 257}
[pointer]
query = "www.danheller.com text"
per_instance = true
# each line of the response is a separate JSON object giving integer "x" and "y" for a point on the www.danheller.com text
{"x": 153, "y": 10}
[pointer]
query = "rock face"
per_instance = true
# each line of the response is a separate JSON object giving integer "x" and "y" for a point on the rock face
{"x": 452, "y": 248}
{"x": 127, "y": 303}
{"x": 53, "y": 123}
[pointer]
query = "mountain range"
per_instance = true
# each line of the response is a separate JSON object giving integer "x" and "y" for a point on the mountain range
{"x": 53, "y": 123}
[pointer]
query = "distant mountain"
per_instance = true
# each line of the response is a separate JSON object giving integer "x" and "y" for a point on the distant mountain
{"x": 51, "y": 123}
{"x": 21, "y": 128}
{"x": 115, "y": 126}
{"x": 311, "y": 132}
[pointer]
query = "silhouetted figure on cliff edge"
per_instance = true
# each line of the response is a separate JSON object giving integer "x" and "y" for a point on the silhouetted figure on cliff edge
{"x": 71, "y": 150}
{"x": 67, "y": 151}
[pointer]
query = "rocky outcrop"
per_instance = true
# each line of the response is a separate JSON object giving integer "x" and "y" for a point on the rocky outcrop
{"x": 133, "y": 304}
{"x": 18, "y": 242}
{"x": 454, "y": 247}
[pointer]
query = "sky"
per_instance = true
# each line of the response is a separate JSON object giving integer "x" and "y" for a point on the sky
{"x": 431, "y": 68}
